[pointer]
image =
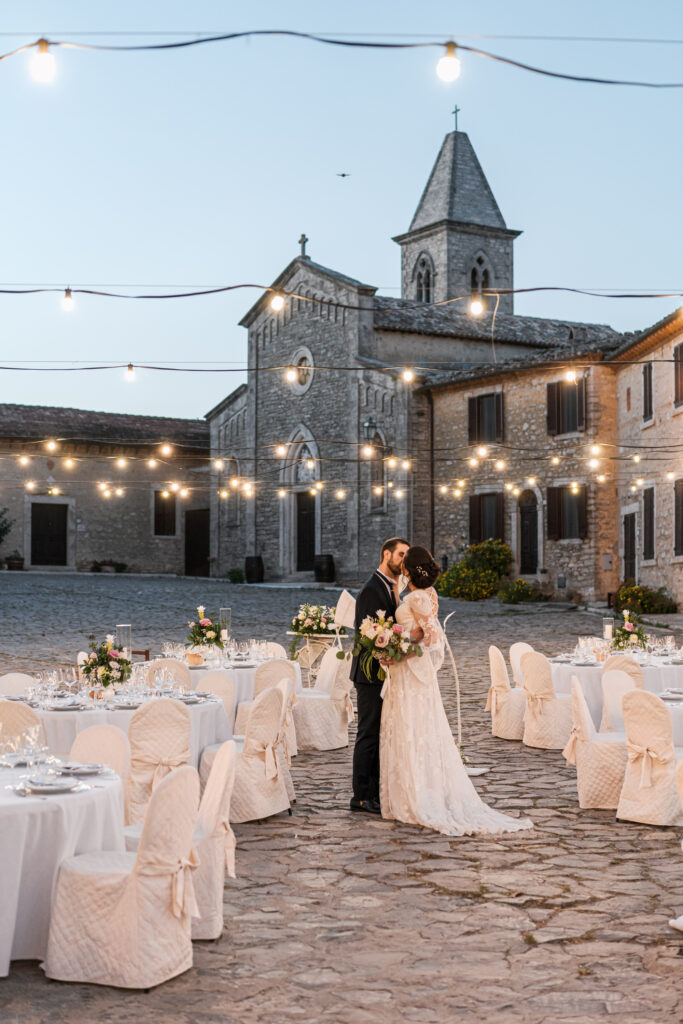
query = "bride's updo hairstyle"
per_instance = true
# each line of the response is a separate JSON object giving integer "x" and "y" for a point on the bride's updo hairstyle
{"x": 421, "y": 567}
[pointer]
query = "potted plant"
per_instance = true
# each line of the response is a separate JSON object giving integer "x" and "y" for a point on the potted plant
{"x": 14, "y": 561}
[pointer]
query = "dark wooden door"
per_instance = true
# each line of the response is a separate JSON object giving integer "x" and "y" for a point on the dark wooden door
{"x": 48, "y": 533}
{"x": 630, "y": 546}
{"x": 197, "y": 542}
{"x": 528, "y": 521}
{"x": 305, "y": 531}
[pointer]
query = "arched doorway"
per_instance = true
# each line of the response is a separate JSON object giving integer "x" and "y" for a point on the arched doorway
{"x": 300, "y": 523}
{"x": 528, "y": 534}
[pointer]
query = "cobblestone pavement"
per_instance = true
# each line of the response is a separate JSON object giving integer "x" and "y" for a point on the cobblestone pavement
{"x": 341, "y": 918}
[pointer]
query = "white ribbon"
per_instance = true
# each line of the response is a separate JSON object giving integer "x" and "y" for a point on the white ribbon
{"x": 183, "y": 900}
{"x": 569, "y": 752}
{"x": 157, "y": 768}
{"x": 535, "y": 701}
{"x": 649, "y": 756}
{"x": 230, "y": 843}
{"x": 492, "y": 699}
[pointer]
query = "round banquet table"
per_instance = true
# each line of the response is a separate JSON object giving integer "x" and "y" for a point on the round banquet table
{"x": 36, "y": 835}
{"x": 657, "y": 677}
{"x": 243, "y": 679}
{"x": 208, "y": 724}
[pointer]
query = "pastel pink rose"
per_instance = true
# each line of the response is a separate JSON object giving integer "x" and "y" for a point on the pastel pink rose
{"x": 629, "y": 626}
{"x": 397, "y": 627}
{"x": 382, "y": 639}
{"x": 308, "y": 622}
{"x": 114, "y": 654}
{"x": 205, "y": 622}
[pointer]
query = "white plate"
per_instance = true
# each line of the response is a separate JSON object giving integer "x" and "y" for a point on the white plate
{"x": 63, "y": 707}
{"x": 74, "y": 768}
{"x": 676, "y": 697}
{"x": 124, "y": 707}
{"x": 58, "y": 786}
{"x": 243, "y": 664}
{"x": 194, "y": 668}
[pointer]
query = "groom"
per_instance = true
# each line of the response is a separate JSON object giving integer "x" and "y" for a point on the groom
{"x": 380, "y": 592}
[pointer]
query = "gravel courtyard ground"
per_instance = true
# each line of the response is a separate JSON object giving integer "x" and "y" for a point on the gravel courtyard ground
{"x": 342, "y": 918}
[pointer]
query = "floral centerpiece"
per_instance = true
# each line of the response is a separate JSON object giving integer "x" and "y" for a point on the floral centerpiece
{"x": 204, "y": 632}
{"x": 105, "y": 665}
{"x": 314, "y": 620}
{"x": 631, "y": 634}
{"x": 381, "y": 639}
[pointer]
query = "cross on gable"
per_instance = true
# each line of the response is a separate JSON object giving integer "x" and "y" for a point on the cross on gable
{"x": 302, "y": 243}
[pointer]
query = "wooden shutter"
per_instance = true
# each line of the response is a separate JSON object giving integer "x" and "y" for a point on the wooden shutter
{"x": 581, "y": 404}
{"x": 553, "y": 523}
{"x": 472, "y": 425}
{"x": 500, "y": 516}
{"x": 647, "y": 391}
{"x": 552, "y": 399}
{"x": 678, "y": 374}
{"x": 475, "y": 518}
{"x": 582, "y": 498}
{"x": 649, "y": 520}
{"x": 678, "y": 518}
{"x": 500, "y": 418}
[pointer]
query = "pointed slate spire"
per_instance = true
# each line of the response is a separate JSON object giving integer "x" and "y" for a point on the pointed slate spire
{"x": 457, "y": 189}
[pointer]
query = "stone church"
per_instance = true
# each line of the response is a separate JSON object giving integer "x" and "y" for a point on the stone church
{"x": 317, "y": 460}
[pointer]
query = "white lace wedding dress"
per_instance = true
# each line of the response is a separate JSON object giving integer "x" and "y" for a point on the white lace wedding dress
{"x": 422, "y": 778}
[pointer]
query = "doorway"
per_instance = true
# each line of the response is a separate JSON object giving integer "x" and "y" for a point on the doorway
{"x": 528, "y": 529}
{"x": 197, "y": 542}
{"x": 48, "y": 533}
{"x": 630, "y": 546}
{"x": 305, "y": 531}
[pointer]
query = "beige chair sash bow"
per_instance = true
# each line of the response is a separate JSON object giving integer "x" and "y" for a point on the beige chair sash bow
{"x": 345, "y": 704}
{"x": 230, "y": 842}
{"x": 182, "y": 889}
{"x": 649, "y": 757}
{"x": 569, "y": 752}
{"x": 492, "y": 698}
{"x": 157, "y": 768}
{"x": 257, "y": 748}
{"x": 535, "y": 701}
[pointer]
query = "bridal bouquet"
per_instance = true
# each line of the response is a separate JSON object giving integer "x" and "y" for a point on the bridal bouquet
{"x": 105, "y": 665}
{"x": 381, "y": 639}
{"x": 204, "y": 632}
{"x": 630, "y": 634}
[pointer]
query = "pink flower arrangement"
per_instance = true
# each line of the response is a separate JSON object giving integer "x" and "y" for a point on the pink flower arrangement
{"x": 397, "y": 627}
{"x": 382, "y": 639}
{"x": 629, "y": 626}
{"x": 205, "y": 622}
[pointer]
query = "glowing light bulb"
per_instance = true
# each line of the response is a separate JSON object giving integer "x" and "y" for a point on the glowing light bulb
{"x": 595, "y": 449}
{"x": 399, "y": 494}
{"x": 390, "y": 484}
{"x": 531, "y": 480}
{"x": 405, "y": 464}
{"x": 669, "y": 476}
{"x": 392, "y": 463}
{"x": 184, "y": 492}
{"x": 151, "y": 463}
{"x": 277, "y": 302}
{"x": 448, "y": 66}
{"x": 51, "y": 445}
{"x": 130, "y": 373}
{"x": 640, "y": 481}
{"x": 107, "y": 494}
{"x": 69, "y": 463}
{"x": 408, "y": 375}
{"x": 101, "y": 487}
{"x": 473, "y": 462}
{"x": 43, "y": 64}
{"x": 340, "y": 494}
{"x": 165, "y": 494}
{"x": 457, "y": 492}
{"x": 570, "y": 376}
{"x": 508, "y": 487}
{"x": 119, "y": 492}
{"x": 174, "y": 487}
{"x": 248, "y": 491}
{"x": 68, "y": 302}
{"x": 218, "y": 464}
{"x": 515, "y": 491}
{"x": 368, "y": 451}
{"x": 594, "y": 463}
{"x": 223, "y": 494}
{"x": 378, "y": 490}
{"x": 555, "y": 460}
{"x": 476, "y": 307}
{"x": 166, "y": 449}
{"x": 499, "y": 464}
{"x": 601, "y": 479}
{"x": 281, "y": 450}
{"x": 30, "y": 485}
{"x": 636, "y": 459}
{"x": 461, "y": 483}
{"x": 55, "y": 490}
{"x": 310, "y": 464}
{"x": 23, "y": 460}
{"x": 290, "y": 375}
{"x": 319, "y": 485}
{"x": 282, "y": 493}
{"x": 235, "y": 482}
{"x": 443, "y": 489}
{"x": 633, "y": 489}
{"x": 482, "y": 451}
{"x": 121, "y": 463}
{"x": 313, "y": 492}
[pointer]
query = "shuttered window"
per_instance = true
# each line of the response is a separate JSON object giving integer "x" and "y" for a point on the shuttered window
{"x": 678, "y": 517}
{"x": 486, "y": 418}
{"x": 648, "y": 407}
{"x": 567, "y": 513}
{"x": 164, "y": 514}
{"x": 678, "y": 374}
{"x": 566, "y": 407}
{"x": 649, "y": 523}
{"x": 487, "y": 517}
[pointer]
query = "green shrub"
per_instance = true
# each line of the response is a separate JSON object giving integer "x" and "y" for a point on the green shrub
{"x": 516, "y": 591}
{"x": 490, "y": 555}
{"x": 638, "y": 598}
{"x": 236, "y": 576}
{"x": 467, "y": 583}
{"x": 6, "y": 524}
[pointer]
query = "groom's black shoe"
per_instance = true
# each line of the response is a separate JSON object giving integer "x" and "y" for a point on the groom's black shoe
{"x": 370, "y": 806}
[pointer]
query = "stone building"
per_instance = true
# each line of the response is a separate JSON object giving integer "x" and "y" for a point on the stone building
{"x": 86, "y": 487}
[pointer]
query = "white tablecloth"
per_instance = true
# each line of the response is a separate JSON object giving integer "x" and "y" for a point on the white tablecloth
{"x": 208, "y": 724}
{"x": 657, "y": 678}
{"x": 243, "y": 679}
{"x": 35, "y": 836}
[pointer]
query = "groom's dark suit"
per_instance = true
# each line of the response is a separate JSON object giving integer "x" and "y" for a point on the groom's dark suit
{"x": 376, "y": 595}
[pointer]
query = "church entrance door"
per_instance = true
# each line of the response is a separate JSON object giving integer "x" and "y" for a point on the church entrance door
{"x": 528, "y": 521}
{"x": 48, "y": 533}
{"x": 197, "y": 542}
{"x": 305, "y": 531}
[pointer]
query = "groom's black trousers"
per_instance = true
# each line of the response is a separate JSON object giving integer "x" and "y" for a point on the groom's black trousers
{"x": 366, "y": 751}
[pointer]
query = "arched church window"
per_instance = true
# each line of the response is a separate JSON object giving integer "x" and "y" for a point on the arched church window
{"x": 377, "y": 475}
{"x": 480, "y": 280}
{"x": 423, "y": 290}
{"x": 305, "y": 466}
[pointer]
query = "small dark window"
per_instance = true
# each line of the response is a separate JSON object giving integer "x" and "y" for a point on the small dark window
{"x": 648, "y": 408}
{"x": 649, "y": 523}
{"x": 566, "y": 406}
{"x": 487, "y": 513}
{"x": 678, "y": 374}
{"x": 486, "y": 418}
{"x": 567, "y": 513}
{"x": 678, "y": 517}
{"x": 164, "y": 514}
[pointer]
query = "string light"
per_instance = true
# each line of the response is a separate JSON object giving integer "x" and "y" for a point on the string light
{"x": 443, "y": 489}
{"x": 457, "y": 492}
{"x": 223, "y": 494}
{"x": 461, "y": 483}
{"x": 639, "y": 481}
{"x": 392, "y": 463}
{"x": 378, "y": 490}
{"x": 30, "y": 485}
{"x": 69, "y": 463}
{"x": 508, "y": 487}
{"x": 399, "y": 494}
{"x": 121, "y": 463}
{"x": 282, "y": 493}
{"x": 601, "y": 478}
{"x": 235, "y": 482}
{"x": 310, "y": 464}
{"x": 368, "y": 451}
{"x": 119, "y": 492}
{"x": 476, "y": 307}
{"x": 482, "y": 451}
{"x": 570, "y": 376}
{"x": 218, "y": 464}
{"x": 54, "y": 490}
{"x": 107, "y": 494}
{"x": 102, "y": 487}
{"x": 406, "y": 464}
{"x": 473, "y": 462}
{"x": 448, "y": 66}
{"x": 183, "y": 492}
{"x": 277, "y": 303}
{"x": 313, "y": 493}
{"x": 595, "y": 449}
{"x": 23, "y": 460}
{"x": 152, "y": 463}
{"x": 390, "y": 484}
{"x": 516, "y": 491}
{"x": 281, "y": 450}
{"x": 130, "y": 374}
{"x": 633, "y": 489}
{"x": 555, "y": 460}
{"x": 499, "y": 464}
{"x": 341, "y": 494}
{"x": 531, "y": 480}
{"x": 248, "y": 491}
{"x": 670, "y": 476}
{"x": 166, "y": 449}
{"x": 319, "y": 485}
{"x": 43, "y": 64}
{"x": 51, "y": 446}
{"x": 408, "y": 375}
{"x": 636, "y": 459}
{"x": 290, "y": 375}
{"x": 593, "y": 463}
{"x": 67, "y": 302}
{"x": 174, "y": 487}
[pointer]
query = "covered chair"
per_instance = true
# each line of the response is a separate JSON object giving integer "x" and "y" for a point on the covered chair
{"x": 505, "y": 704}
{"x": 649, "y": 793}
{"x": 600, "y": 757}
{"x": 677, "y": 923}
{"x": 516, "y": 652}
{"x": 548, "y": 716}
{"x": 124, "y": 919}
{"x": 309, "y": 657}
{"x": 259, "y": 790}
{"x": 322, "y": 719}
{"x": 269, "y": 673}
{"x": 345, "y": 613}
{"x": 15, "y": 684}
{"x": 159, "y": 736}
{"x": 214, "y": 844}
{"x": 16, "y": 717}
{"x": 281, "y": 748}
{"x": 221, "y": 684}
{"x": 274, "y": 650}
{"x": 169, "y": 668}
{"x": 327, "y": 671}
{"x": 626, "y": 663}
{"x": 615, "y": 683}
{"x": 103, "y": 744}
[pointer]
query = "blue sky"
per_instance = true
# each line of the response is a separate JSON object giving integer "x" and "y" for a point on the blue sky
{"x": 204, "y": 166}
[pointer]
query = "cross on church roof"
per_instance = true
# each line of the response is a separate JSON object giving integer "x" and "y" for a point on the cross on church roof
{"x": 302, "y": 243}
{"x": 455, "y": 111}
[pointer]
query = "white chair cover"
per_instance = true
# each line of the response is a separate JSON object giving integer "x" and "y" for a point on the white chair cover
{"x": 505, "y": 704}
{"x": 649, "y": 793}
{"x": 159, "y": 736}
{"x": 259, "y": 791}
{"x": 286, "y": 726}
{"x": 600, "y": 758}
{"x": 345, "y": 614}
{"x": 327, "y": 671}
{"x": 268, "y": 674}
{"x": 274, "y": 650}
{"x": 219, "y": 683}
{"x": 626, "y": 663}
{"x": 322, "y": 719}
{"x": 516, "y": 652}
{"x": 310, "y": 655}
{"x": 677, "y": 923}
{"x": 124, "y": 920}
{"x": 16, "y": 717}
{"x": 615, "y": 683}
{"x": 170, "y": 668}
{"x": 15, "y": 684}
{"x": 548, "y": 716}
{"x": 103, "y": 744}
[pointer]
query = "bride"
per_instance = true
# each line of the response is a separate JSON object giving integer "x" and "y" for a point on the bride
{"x": 422, "y": 778}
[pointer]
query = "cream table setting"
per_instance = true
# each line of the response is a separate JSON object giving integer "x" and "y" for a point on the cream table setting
{"x": 47, "y": 813}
